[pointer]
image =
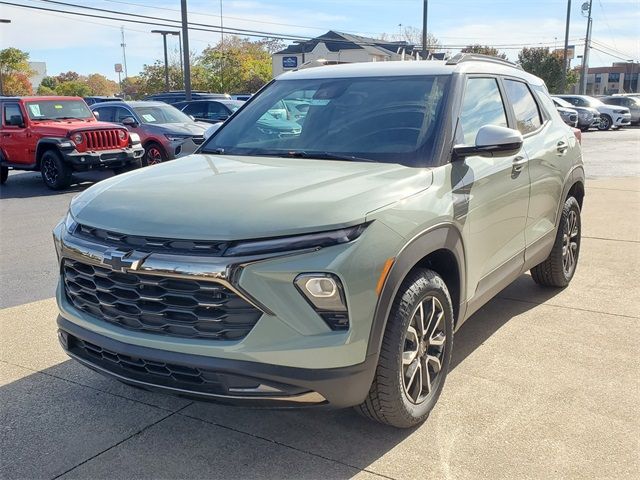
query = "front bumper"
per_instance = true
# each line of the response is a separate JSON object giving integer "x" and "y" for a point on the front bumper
{"x": 621, "y": 120}
{"x": 103, "y": 159}
{"x": 215, "y": 379}
{"x": 589, "y": 121}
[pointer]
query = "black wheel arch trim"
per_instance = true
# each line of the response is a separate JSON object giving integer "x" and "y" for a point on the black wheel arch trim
{"x": 575, "y": 175}
{"x": 46, "y": 142}
{"x": 442, "y": 236}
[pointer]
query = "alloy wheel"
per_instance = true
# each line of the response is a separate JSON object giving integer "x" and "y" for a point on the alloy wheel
{"x": 49, "y": 170}
{"x": 424, "y": 348}
{"x": 570, "y": 243}
{"x": 605, "y": 123}
{"x": 154, "y": 156}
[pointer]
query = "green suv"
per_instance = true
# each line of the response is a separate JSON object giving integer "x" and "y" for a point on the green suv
{"x": 330, "y": 266}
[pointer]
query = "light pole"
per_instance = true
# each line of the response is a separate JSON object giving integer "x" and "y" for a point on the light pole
{"x": 425, "y": 11}
{"x": 164, "y": 34}
{"x": 185, "y": 45}
{"x": 586, "y": 7}
{"x": 2, "y": 20}
{"x": 565, "y": 67}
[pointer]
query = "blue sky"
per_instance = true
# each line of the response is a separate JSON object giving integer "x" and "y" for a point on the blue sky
{"x": 89, "y": 45}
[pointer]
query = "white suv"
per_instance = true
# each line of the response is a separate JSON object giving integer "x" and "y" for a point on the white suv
{"x": 610, "y": 115}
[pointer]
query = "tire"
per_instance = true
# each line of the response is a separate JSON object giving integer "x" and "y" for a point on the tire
{"x": 4, "y": 174}
{"x": 558, "y": 269}
{"x": 605, "y": 123}
{"x": 56, "y": 174}
{"x": 153, "y": 154}
{"x": 395, "y": 397}
{"x": 128, "y": 167}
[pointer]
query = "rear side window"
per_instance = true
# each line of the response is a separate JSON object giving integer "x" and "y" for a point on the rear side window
{"x": 11, "y": 110}
{"x": 524, "y": 106}
{"x": 482, "y": 106}
{"x": 198, "y": 109}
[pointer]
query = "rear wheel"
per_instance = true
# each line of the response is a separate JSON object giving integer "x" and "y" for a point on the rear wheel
{"x": 153, "y": 155}
{"x": 55, "y": 173}
{"x": 415, "y": 353}
{"x": 4, "y": 174}
{"x": 560, "y": 266}
{"x": 605, "y": 122}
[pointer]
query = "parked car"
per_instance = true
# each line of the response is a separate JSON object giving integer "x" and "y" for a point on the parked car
{"x": 181, "y": 96}
{"x": 610, "y": 116}
{"x": 241, "y": 96}
{"x": 166, "y": 133}
{"x": 58, "y": 136}
{"x": 210, "y": 111}
{"x": 588, "y": 117}
{"x": 332, "y": 266}
{"x": 568, "y": 115}
{"x": 97, "y": 99}
{"x": 632, "y": 103}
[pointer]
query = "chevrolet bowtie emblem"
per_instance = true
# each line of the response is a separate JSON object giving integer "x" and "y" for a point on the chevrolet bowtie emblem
{"x": 123, "y": 260}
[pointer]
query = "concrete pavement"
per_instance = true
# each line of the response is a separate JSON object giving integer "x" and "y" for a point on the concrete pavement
{"x": 544, "y": 384}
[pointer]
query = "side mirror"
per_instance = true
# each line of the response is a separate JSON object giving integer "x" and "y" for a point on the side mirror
{"x": 492, "y": 141}
{"x": 96, "y": 114}
{"x": 129, "y": 122}
{"x": 16, "y": 121}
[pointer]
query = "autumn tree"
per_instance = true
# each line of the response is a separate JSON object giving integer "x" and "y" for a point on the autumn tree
{"x": 100, "y": 85}
{"x": 484, "y": 50}
{"x": 15, "y": 72}
{"x": 74, "y": 88}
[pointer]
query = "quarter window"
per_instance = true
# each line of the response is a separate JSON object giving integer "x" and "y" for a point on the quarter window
{"x": 482, "y": 106}
{"x": 524, "y": 106}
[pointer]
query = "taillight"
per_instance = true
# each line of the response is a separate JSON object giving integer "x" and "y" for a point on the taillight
{"x": 122, "y": 134}
{"x": 578, "y": 133}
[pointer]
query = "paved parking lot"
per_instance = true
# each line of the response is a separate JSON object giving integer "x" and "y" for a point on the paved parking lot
{"x": 544, "y": 384}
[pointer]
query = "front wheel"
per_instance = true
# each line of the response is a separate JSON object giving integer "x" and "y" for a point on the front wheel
{"x": 55, "y": 173}
{"x": 560, "y": 266}
{"x": 4, "y": 174}
{"x": 415, "y": 353}
{"x": 605, "y": 122}
{"x": 153, "y": 155}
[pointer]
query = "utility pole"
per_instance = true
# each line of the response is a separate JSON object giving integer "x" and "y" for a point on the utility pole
{"x": 425, "y": 9}
{"x": 221, "y": 50}
{"x": 185, "y": 42}
{"x": 586, "y": 6}
{"x": 124, "y": 52}
{"x": 565, "y": 66}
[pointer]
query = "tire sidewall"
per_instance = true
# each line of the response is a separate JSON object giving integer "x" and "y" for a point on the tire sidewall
{"x": 571, "y": 204}
{"x": 63, "y": 178}
{"x": 145, "y": 157}
{"x": 606, "y": 118}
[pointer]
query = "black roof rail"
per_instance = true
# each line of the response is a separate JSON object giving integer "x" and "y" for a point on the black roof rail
{"x": 478, "y": 57}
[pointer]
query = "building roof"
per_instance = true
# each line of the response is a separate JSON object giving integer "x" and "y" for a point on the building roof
{"x": 336, "y": 41}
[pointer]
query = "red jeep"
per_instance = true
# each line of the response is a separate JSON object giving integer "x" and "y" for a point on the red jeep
{"x": 59, "y": 136}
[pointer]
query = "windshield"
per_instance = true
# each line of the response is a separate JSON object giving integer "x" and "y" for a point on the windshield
{"x": 58, "y": 110}
{"x": 233, "y": 105}
{"x": 159, "y": 114}
{"x": 562, "y": 103}
{"x": 383, "y": 119}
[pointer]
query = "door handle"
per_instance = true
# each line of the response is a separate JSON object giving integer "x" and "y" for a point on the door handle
{"x": 518, "y": 163}
{"x": 562, "y": 146}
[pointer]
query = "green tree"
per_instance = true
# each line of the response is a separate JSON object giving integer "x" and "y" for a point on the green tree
{"x": 15, "y": 72}
{"x": 44, "y": 90}
{"x": 484, "y": 50}
{"x": 49, "y": 82}
{"x": 100, "y": 85}
{"x": 544, "y": 64}
{"x": 74, "y": 88}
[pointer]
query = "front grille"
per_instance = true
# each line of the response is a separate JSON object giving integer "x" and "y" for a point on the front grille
{"x": 156, "y": 304}
{"x": 151, "y": 244}
{"x": 102, "y": 139}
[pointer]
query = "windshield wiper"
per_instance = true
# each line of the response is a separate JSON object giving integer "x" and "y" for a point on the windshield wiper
{"x": 70, "y": 118}
{"x": 324, "y": 156}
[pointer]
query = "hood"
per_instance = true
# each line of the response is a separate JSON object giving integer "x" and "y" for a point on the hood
{"x": 218, "y": 197}
{"x": 196, "y": 129}
{"x": 566, "y": 111}
{"x": 590, "y": 110}
{"x": 62, "y": 127}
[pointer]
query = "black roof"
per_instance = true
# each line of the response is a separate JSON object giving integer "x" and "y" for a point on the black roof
{"x": 336, "y": 41}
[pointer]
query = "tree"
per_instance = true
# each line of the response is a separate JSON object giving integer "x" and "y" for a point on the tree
{"x": 100, "y": 85}
{"x": 131, "y": 87}
{"x": 413, "y": 36}
{"x": 44, "y": 90}
{"x": 544, "y": 64}
{"x": 68, "y": 77}
{"x": 15, "y": 72}
{"x": 74, "y": 88}
{"x": 49, "y": 82}
{"x": 484, "y": 50}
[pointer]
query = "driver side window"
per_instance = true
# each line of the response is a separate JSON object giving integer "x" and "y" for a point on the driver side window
{"x": 482, "y": 105}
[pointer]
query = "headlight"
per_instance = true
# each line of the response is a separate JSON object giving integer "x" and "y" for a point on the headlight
{"x": 298, "y": 242}
{"x": 77, "y": 138}
{"x": 174, "y": 138}
{"x": 325, "y": 294}
{"x": 122, "y": 134}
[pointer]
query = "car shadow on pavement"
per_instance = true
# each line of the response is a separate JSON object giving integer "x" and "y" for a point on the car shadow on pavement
{"x": 30, "y": 184}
